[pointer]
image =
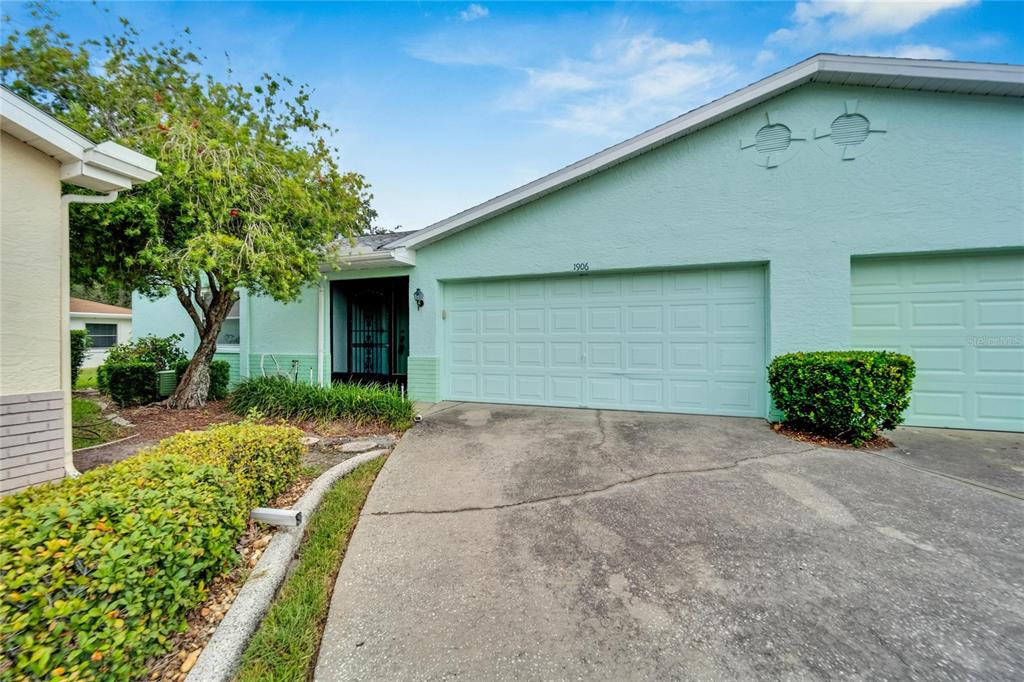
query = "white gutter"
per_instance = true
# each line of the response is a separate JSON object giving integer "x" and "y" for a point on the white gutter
{"x": 65, "y": 316}
{"x": 113, "y": 316}
{"x": 320, "y": 333}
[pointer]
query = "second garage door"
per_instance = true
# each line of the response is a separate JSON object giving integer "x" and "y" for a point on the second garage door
{"x": 668, "y": 341}
{"x": 961, "y": 318}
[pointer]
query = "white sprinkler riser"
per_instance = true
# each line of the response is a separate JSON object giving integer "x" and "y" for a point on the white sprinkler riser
{"x": 223, "y": 653}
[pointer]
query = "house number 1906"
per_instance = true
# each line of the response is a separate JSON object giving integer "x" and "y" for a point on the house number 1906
{"x": 580, "y": 267}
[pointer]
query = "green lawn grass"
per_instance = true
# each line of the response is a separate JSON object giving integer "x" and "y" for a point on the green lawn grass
{"x": 285, "y": 646}
{"x": 86, "y": 378}
{"x": 88, "y": 427}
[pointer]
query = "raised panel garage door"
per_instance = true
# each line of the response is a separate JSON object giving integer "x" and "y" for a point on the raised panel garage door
{"x": 962, "y": 320}
{"x": 669, "y": 341}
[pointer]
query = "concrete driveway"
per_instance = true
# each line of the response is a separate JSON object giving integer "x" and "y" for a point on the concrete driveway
{"x": 531, "y": 543}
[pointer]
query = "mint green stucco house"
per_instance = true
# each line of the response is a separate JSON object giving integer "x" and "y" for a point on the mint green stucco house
{"x": 844, "y": 202}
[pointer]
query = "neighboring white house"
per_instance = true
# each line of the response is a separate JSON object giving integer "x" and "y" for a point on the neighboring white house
{"x": 37, "y": 154}
{"x": 107, "y": 325}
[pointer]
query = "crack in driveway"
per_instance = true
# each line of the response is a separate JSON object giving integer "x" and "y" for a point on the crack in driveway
{"x": 602, "y": 489}
{"x": 948, "y": 477}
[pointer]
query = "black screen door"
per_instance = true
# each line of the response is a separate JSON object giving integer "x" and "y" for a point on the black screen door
{"x": 369, "y": 319}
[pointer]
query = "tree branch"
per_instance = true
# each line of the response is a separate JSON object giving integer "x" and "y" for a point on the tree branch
{"x": 186, "y": 301}
{"x": 197, "y": 294}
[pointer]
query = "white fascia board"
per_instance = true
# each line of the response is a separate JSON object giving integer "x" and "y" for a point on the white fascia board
{"x": 40, "y": 130}
{"x": 122, "y": 160}
{"x": 964, "y": 72}
{"x": 104, "y": 167}
{"x": 711, "y": 113}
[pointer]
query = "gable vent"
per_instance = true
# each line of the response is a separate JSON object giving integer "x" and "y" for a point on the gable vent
{"x": 850, "y": 129}
{"x": 772, "y": 138}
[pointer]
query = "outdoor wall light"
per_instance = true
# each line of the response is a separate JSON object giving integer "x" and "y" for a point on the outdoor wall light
{"x": 418, "y": 297}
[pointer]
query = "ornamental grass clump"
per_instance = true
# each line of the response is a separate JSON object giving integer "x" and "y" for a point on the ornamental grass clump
{"x": 362, "y": 403}
{"x": 845, "y": 395}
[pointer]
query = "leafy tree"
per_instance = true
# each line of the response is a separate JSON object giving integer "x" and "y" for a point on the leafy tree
{"x": 250, "y": 196}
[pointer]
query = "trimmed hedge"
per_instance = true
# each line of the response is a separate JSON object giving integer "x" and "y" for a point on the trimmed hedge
{"x": 129, "y": 383}
{"x": 848, "y": 395}
{"x": 220, "y": 375}
{"x": 264, "y": 460}
{"x": 277, "y": 396}
{"x": 100, "y": 571}
{"x": 80, "y": 343}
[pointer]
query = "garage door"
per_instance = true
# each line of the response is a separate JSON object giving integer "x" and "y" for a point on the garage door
{"x": 671, "y": 341}
{"x": 962, "y": 320}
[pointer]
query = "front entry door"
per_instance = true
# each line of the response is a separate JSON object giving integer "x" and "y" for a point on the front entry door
{"x": 369, "y": 315}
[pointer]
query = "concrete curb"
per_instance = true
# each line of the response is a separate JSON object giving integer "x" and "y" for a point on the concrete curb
{"x": 223, "y": 653}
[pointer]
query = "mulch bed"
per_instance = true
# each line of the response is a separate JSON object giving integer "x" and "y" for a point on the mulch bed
{"x": 155, "y": 422}
{"x": 879, "y": 442}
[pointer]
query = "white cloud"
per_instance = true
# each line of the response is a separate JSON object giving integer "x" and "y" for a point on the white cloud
{"x": 764, "y": 57}
{"x": 918, "y": 52}
{"x": 815, "y": 20}
{"x": 442, "y": 49}
{"x": 474, "y": 12}
{"x": 622, "y": 86}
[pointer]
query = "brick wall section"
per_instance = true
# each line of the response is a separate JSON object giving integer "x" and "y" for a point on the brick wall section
{"x": 31, "y": 439}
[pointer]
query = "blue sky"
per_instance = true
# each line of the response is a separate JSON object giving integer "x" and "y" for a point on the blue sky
{"x": 444, "y": 105}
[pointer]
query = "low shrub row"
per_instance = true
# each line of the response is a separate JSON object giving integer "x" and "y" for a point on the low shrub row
{"x": 100, "y": 571}
{"x": 265, "y": 460}
{"x": 362, "y": 403}
{"x": 847, "y": 395}
{"x": 134, "y": 382}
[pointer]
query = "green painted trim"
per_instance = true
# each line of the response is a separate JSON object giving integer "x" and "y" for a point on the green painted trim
{"x": 425, "y": 379}
{"x": 234, "y": 360}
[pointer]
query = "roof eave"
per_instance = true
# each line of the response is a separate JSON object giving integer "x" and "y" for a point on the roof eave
{"x": 710, "y": 113}
{"x": 102, "y": 167}
{"x": 392, "y": 258}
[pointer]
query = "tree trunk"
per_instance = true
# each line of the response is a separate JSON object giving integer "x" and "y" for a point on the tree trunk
{"x": 195, "y": 382}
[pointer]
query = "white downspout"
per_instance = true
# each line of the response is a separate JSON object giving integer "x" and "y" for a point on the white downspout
{"x": 320, "y": 333}
{"x": 65, "y": 311}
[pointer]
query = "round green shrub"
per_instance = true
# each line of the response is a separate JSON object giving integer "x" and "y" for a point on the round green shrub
{"x": 847, "y": 395}
{"x": 100, "y": 571}
{"x": 162, "y": 351}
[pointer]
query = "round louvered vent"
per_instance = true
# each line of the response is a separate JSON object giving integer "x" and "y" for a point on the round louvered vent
{"x": 850, "y": 129}
{"x": 772, "y": 138}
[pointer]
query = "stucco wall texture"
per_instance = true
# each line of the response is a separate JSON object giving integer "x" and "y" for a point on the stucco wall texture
{"x": 946, "y": 175}
{"x": 30, "y": 248}
{"x": 32, "y": 402}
